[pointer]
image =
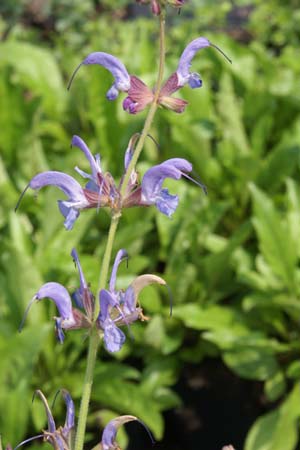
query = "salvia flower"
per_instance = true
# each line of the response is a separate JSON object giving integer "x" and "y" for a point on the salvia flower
{"x": 59, "y": 437}
{"x": 151, "y": 191}
{"x": 69, "y": 317}
{"x": 100, "y": 190}
{"x": 139, "y": 95}
{"x": 118, "y": 307}
{"x": 109, "y": 434}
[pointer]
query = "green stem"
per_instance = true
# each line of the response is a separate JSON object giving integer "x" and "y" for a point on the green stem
{"x": 87, "y": 389}
{"x": 153, "y": 107}
{"x": 94, "y": 338}
{"x": 107, "y": 256}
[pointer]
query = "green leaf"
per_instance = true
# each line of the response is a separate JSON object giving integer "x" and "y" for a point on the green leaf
{"x": 208, "y": 318}
{"x": 38, "y": 70}
{"x": 251, "y": 363}
{"x": 278, "y": 429}
{"x": 275, "y": 386}
{"x": 274, "y": 240}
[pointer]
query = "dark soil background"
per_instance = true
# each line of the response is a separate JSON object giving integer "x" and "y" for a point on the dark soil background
{"x": 218, "y": 408}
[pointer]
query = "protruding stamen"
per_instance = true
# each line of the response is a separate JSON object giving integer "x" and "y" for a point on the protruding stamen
{"x": 29, "y": 440}
{"x": 73, "y": 76}
{"x": 221, "y": 51}
{"x": 148, "y": 431}
{"x": 199, "y": 183}
{"x": 26, "y": 312}
{"x": 21, "y": 197}
{"x": 154, "y": 140}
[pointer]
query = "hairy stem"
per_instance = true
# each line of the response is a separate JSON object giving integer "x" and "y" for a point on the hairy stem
{"x": 94, "y": 338}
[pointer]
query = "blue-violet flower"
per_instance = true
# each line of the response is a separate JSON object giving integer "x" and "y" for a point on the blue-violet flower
{"x": 69, "y": 318}
{"x": 118, "y": 307}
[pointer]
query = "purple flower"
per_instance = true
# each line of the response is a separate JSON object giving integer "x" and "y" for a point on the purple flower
{"x": 139, "y": 96}
{"x": 57, "y": 437}
{"x": 69, "y": 317}
{"x": 151, "y": 191}
{"x": 183, "y": 76}
{"x": 100, "y": 190}
{"x": 109, "y": 434}
{"x": 119, "y": 308}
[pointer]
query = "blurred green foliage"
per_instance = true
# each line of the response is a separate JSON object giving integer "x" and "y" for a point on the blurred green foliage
{"x": 231, "y": 258}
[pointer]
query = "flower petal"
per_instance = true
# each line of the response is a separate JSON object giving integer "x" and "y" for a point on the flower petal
{"x": 139, "y": 96}
{"x": 94, "y": 163}
{"x": 130, "y": 149}
{"x": 166, "y": 203}
{"x": 64, "y": 182}
{"x": 114, "y": 338}
{"x": 70, "y": 416}
{"x": 122, "y": 254}
{"x": 83, "y": 283}
{"x": 185, "y": 61}
{"x": 114, "y": 65}
{"x": 154, "y": 177}
{"x": 152, "y": 192}
{"x": 108, "y": 441}
{"x": 174, "y": 104}
{"x": 137, "y": 286}
{"x": 59, "y": 294}
{"x": 70, "y": 214}
{"x": 51, "y": 423}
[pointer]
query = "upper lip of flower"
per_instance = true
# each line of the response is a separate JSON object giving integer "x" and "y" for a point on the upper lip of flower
{"x": 109, "y": 434}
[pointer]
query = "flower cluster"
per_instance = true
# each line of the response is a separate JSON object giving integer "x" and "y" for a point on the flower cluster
{"x": 117, "y": 307}
{"x": 139, "y": 95}
{"x": 102, "y": 190}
